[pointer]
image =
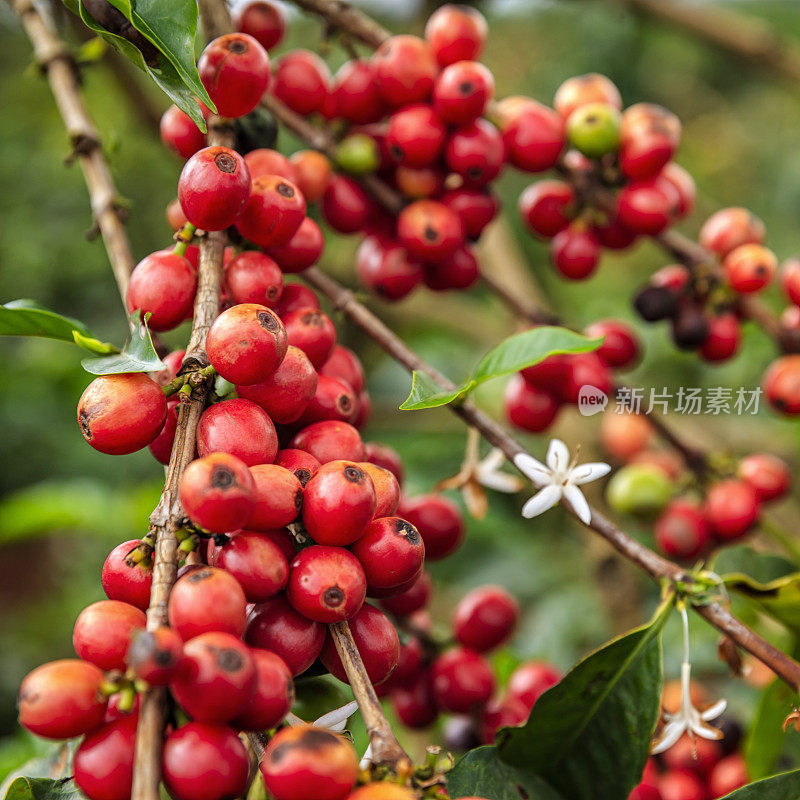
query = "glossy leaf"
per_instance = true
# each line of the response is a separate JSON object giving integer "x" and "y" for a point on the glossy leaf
{"x": 779, "y": 598}
{"x": 481, "y": 773}
{"x": 589, "y": 736}
{"x": 766, "y": 741}
{"x": 785, "y": 786}
{"x": 43, "y": 789}
{"x": 28, "y": 318}
{"x": 138, "y": 355}
{"x": 515, "y": 353}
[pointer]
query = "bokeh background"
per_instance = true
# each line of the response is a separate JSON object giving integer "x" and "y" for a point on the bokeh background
{"x": 63, "y": 506}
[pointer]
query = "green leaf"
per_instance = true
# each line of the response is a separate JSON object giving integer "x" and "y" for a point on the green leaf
{"x": 785, "y": 786}
{"x": 766, "y": 739}
{"x": 28, "y": 318}
{"x": 481, "y": 773}
{"x": 94, "y": 345}
{"x": 589, "y": 736}
{"x": 515, "y": 353}
{"x": 138, "y": 355}
{"x": 779, "y": 598}
{"x": 43, "y": 789}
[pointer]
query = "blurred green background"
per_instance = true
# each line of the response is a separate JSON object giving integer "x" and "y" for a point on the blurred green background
{"x": 63, "y": 506}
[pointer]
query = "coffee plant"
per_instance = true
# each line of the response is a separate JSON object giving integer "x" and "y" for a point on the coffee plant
{"x": 285, "y": 546}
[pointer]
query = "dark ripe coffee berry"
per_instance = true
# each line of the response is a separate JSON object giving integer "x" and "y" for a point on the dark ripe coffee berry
{"x": 386, "y": 268}
{"x": 218, "y": 493}
{"x": 301, "y": 464}
{"x": 326, "y": 584}
{"x": 413, "y": 599}
{"x": 257, "y": 563}
{"x": 429, "y": 230}
{"x": 272, "y": 696}
{"x": 103, "y": 632}
{"x": 103, "y": 763}
{"x": 749, "y": 268}
{"x": 392, "y": 553}
{"x": 216, "y": 678}
{"x": 376, "y": 640}
{"x": 730, "y": 228}
{"x": 462, "y": 91}
{"x": 240, "y": 428}
{"x": 575, "y": 253}
{"x": 682, "y": 530}
{"x": 767, "y": 474}
{"x": 534, "y": 138}
{"x": 155, "y": 656}
{"x": 246, "y": 343}
{"x": 356, "y": 94}
{"x": 120, "y": 414}
{"x": 303, "y": 250}
{"x": 529, "y": 407}
{"x": 207, "y": 600}
{"x": 583, "y": 89}
{"x": 724, "y": 336}
{"x": 161, "y": 446}
{"x": 691, "y": 327}
{"x": 273, "y": 213}
{"x": 329, "y": 441}
{"x": 413, "y": 702}
{"x": 204, "y": 762}
{"x": 309, "y": 763}
{"x": 529, "y": 681}
{"x": 127, "y": 575}
{"x": 621, "y": 347}
{"x": 338, "y": 503}
{"x": 163, "y": 285}
{"x": 285, "y": 394}
{"x": 456, "y": 33}
{"x": 333, "y": 400}
{"x": 235, "y": 71}
{"x": 387, "y": 489}
{"x": 264, "y": 22}
{"x": 654, "y": 303}
{"x": 732, "y": 508}
{"x": 213, "y": 188}
{"x": 274, "y": 625}
{"x": 438, "y": 521}
{"x": 62, "y": 699}
{"x": 405, "y": 70}
{"x": 278, "y": 497}
{"x": 782, "y": 384}
{"x": 462, "y": 680}
{"x": 547, "y": 207}
{"x": 485, "y": 618}
{"x": 415, "y": 136}
{"x": 345, "y": 206}
{"x": 302, "y": 81}
{"x": 180, "y": 134}
{"x": 252, "y": 277}
{"x": 311, "y": 331}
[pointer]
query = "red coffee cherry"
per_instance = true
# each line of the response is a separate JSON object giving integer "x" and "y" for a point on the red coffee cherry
{"x": 387, "y": 457}
{"x": 412, "y": 599}
{"x": 235, "y": 71}
{"x": 529, "y": 681}
{"x": 103, "y": 631}
{"x": 438, "y": 521}
{"x": 313, "y": 171}
{"x": 682, "y": 531}
{"x": 125, "y": 577}
{"x": 456, "y": 33}
{"x": 462, "y": 680}
{"x": 413, "y": 702}
{"x": 644, "y": 207}
{"x": 176, "y": 219}
{"x": 529, "y": 407}
{"x": 727, "y": 775}
{"x": 103, "y": 764}
{"x": 356, "y": 92}
{"x": 391, "y": 552}
{"x": 649, "y": 137}
{"x": 301, "y": 464}
{"x": 381, "y": 791}
{"x": 179, "y": 133}
{"x": 384, "y": 267}
{"x": 155, "y": 656}
{"x": 62, "y": 699}
{"x": 207, "y": 600}
{"x": 204, "y": 762}
{"x": 547, "y": 207}
{"x": 278, "y": 497}
{"x": 476, "y": 208}
{"x": 311, "y": 331}
{"x": 263, "y": 21}
{"x": 345, "y": 365}
{"x": 782, "y": 384}
{"x": 301, "y": 81}
{"x": 246, "y": 343}
{"x": 333, "y": 400}
{"x": 621, "y": 347}
{"x": 485, "y": 618}
{"x": 429, "y": 230}
{"x": 459, "y": 271}
{"x": 732, "y": 508}
{"x": 274, "y": 625}
{"x": 749, "y": 268}
{"x": 303, "y": 250}
{"x": 685, "y": 186}
{"x": 767, "y": 474}
{"x": 240, "y": 428}
{"x": 462, "y": 91}
{"x": 345, "y": 206}
{"x": 216, "y": 678}
{"x": 273, "y": 694}
{"x": 273, "y": 213}
{"x": 329, "y": 441}
{"x": 217, "y": 492}
{"x": 681, "y": 785}
{"x": 262, "y": 161}
{"x": 790, "y": 279}
{"x": 161, "y": 446}
{"x": 584, "y": 89}
{"x": 308, "y": 763}
{"x": 338, "y": 503}
{"x": 253, "y": 278}
{"x": 387, "y": 489}
{"x": 477, "y": 152}
{"x": 724, "y": 336}
{"x": 326, "y": 584}
{"x": 120, "y": 414}
{"x": 376, "y": 640}
{"x": 697, "y": 755}
{"x": 419, "y": 182}
{"x": 575, "y": 253}
{"x": 285, "y": 394}
{"x": 625, "y": 435}
{"x": 534, "y": 138}
{"x": 582, "y": 369}
{"x": 213, "y": 188}
{"x": 730, "y": 228}
{"x": 404, "y": 70}
{"x": 415, "y": 136}
{"x": 257, "y": 563}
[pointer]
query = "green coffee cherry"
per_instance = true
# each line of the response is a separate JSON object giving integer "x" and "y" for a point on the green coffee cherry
{"x": 639, "y": 489}
{"x": 594, "y": 129}
{"x": 358, "y": 154}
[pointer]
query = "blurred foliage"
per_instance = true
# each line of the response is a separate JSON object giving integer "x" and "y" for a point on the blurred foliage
{"x": 63, "y": 506}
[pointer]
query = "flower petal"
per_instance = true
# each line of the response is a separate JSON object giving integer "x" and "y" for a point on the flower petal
{"x": 714, "y": 711}
{"x": 541, "y": 501}
{"x": 557, "y": 456}
{"x": 706, "y": 731}
{"x": 366, "y": 759}
{"x": 590, "y": 471}
{"x": 500, "y": 481}
{"x": 337, "y": 717}
{"x": 671, "y": 733}
{"x": 575, "y": 497}
{"x": 534, "y": 470}
{"x": 493, "y": 460}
